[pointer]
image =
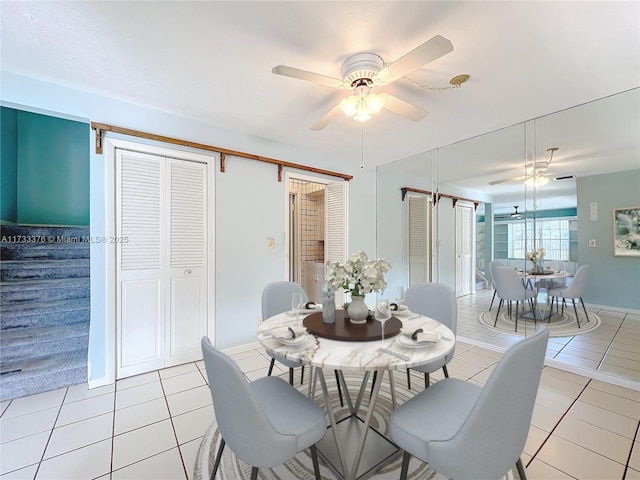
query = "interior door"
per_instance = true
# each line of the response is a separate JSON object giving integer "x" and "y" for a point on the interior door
{"x": 187, "y": 269}
{"x": 418, "y": 239}
{"x": 140, "y": 275}
{"x": 335, "y": 244}
{"x": 464, "y": 249}
{"x": 161, "y": 274}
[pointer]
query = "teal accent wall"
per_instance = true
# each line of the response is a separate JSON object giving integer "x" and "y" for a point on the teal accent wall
{"x": 53, "y": 170}
{"x": 8, "y": 165}
{"x": 614, "y": 281}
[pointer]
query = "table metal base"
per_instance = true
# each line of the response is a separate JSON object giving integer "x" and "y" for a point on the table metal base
{"x": 378, "y": 449}
{"x": 537, "y": 314}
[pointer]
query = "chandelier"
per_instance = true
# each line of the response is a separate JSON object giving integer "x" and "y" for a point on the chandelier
{"x": 363, "y": 104}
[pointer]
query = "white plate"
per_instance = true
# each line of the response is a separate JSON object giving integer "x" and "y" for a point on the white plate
{"x": 408, "y": 343}
{"x": 293, "y": 342}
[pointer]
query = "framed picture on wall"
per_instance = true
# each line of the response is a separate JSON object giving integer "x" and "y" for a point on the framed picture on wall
{"x": 626, "y": 232}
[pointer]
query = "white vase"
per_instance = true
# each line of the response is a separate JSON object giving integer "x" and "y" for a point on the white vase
{"x": 358, "y": 310}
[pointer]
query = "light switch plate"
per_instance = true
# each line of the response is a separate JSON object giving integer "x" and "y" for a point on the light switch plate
{"x": 592, "y": 243}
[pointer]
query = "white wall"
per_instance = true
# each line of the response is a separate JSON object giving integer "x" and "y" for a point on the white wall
{"x": 249, "y": 204}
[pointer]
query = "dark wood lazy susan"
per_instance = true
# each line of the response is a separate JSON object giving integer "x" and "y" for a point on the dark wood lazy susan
{"x": 351, "y": 332}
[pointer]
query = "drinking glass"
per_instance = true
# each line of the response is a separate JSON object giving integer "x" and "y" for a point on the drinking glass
{"x": 382, "y": 313}
{"x": 398, "y": 295}
{"x": 296, "y": 305}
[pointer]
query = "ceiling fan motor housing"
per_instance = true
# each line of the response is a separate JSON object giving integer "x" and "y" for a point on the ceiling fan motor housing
{"x": 362, "y": 67}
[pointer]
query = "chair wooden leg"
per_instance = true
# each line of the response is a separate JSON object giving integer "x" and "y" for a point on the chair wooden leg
{"x": 408, "y": 379}
{"x": 273, "y": 361}
{"x": 302, "y": 376}
{"x": 585, "y": 309}
{"x": 339, "y": 388}
{"x": 521, "y": 472}
{"x": 405, "y": 465}
{"x": 254, "y": 473}
{"x": 314, "y": 459}
{"x": 216, "y": 464}
{"x": 492, "y": 299}
{"x": 427, "y": 381}
{"x": 446, "y": 372}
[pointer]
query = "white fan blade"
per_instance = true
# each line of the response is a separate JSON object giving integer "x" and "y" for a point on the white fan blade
{"x": 416, "y": 58}
{"x": 507, "y": 180}
{"x": 400, "y": 107}
{"x": 308, "y": 76}
{"x": 329, "y": 117}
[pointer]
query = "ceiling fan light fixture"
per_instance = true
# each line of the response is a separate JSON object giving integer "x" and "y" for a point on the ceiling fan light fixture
{"x": 363, "y": 105}
{"x": 536, "y": 181}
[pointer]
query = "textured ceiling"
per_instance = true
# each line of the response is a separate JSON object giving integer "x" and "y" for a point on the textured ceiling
{"x": 212, "y": 61}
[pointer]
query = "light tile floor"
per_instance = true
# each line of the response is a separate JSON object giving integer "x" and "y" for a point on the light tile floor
{"x": 611, "y": 350}
{"x": 150, "y": 426}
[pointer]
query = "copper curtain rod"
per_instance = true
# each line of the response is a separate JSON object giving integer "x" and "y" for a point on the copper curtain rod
{"x": 100, "y": 128}
{"x": 437, "y": 196}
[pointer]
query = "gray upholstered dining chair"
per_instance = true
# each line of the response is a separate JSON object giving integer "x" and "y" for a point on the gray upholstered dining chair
{"x": 549, "y": 283}
{"x": 509, "y": 287}
{"x": 276, "y": 298}
{"x": 437, "y": 301}
{"x": 492, "y": 264}
{"x": 574, "y": 290}
{"x": 265, "y": 422}
{"x": 469, "y": 432}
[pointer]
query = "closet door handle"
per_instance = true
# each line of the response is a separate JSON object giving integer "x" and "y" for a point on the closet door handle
{"x": 187, "y": 271}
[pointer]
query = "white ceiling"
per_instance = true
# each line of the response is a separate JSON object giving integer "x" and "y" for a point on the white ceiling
{"x": 212, "y": 61}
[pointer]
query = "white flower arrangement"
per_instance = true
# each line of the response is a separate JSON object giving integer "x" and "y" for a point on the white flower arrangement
{"x": 535, "y": 256}
{"x": 359, "y": 275}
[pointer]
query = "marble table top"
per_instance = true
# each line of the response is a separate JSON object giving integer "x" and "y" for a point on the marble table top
{"x": 357, "y": 356}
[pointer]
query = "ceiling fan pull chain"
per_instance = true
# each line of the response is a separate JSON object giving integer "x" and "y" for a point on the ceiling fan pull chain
{"x": 362, "y": 146}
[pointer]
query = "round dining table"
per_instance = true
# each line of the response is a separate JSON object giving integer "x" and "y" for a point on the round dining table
{"x": 349, "y": 452}
{"x": 535, "y": 280}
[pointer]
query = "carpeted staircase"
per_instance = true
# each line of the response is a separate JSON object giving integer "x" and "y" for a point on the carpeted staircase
{"x": 44, "y": 308}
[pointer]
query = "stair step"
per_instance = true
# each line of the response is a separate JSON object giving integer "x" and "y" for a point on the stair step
{"x": 42, "y": 232}
{"x": 42, "y": 374}
{"x": 24, "y": 343}
{"x": 16, "y": 270}
{"x": 44, "y": 290}
{"x": 41, "y": 314}
{"x": 44, "y": 251}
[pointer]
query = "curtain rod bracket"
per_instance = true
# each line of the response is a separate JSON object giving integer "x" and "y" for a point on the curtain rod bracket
{"x": 99, "y": 141}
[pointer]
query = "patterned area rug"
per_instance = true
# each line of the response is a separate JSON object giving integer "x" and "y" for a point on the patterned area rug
{"x": 564, "y": 325}
{"x": 300, "y": 467}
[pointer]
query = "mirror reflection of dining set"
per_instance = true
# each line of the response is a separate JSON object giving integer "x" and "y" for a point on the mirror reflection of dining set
{"x": 268, "y": 421}
{"x": 514, "y": 285}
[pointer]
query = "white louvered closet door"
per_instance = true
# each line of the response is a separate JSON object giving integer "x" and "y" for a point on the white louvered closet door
{"x": 418, "y": 239}
{"x": 187, "y": 296}
{"x": 161, "y": 274}
{"x": 335, "y": 246}
{"x": 464, "y": 249}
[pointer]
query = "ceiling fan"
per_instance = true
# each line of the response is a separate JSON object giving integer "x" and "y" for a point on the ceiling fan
{"x": 516, "y": 213}
{"x": 364, "y": 71}
{"x": 535, "y": 173}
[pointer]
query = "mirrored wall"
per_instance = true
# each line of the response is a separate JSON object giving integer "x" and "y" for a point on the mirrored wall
{"x": 510, "y": 180}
